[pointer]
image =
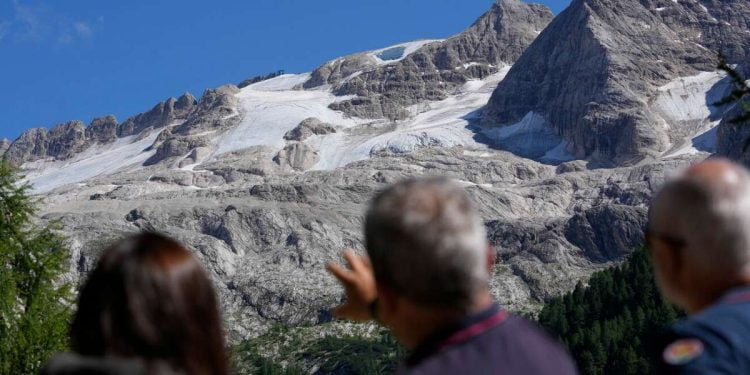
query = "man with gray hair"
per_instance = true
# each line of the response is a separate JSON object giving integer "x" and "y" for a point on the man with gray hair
{"x": 426, "y": 279}
{"x": 699, "y": 239}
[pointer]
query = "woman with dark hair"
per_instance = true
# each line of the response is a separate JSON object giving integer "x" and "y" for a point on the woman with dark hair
{"x": 148, "y": 301}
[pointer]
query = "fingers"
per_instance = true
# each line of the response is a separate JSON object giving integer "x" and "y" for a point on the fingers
{"x": 341, "y": 273}
{"x": 356, "y": 262}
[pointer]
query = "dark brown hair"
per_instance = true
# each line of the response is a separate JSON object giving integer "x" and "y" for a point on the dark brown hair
{"x": 150, "y": 299}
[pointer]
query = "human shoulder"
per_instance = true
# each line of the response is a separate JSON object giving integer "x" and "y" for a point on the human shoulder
{"x": 710, "y": 342}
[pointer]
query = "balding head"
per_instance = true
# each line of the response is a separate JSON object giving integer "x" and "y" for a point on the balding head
{"x": 705, "y": 215}
{"x": 427, "y": 243}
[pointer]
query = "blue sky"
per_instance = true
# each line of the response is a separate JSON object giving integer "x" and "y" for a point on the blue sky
{"x": 79, "y": 59}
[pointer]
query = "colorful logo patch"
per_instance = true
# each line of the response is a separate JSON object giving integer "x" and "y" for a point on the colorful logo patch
{"x": 681, "y": 352}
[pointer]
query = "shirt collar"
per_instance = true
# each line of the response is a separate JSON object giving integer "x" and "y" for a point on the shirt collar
{"x": 737, "y": 295}
{"x": 433, "y": 343}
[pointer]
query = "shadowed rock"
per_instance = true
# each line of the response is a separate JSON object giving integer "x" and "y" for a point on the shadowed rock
{"x": 594, "y": 72}
{"x": 436, "y": 70}
{"x": 102, "y": 130}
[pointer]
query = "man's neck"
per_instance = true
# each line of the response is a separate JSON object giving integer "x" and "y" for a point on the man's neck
{"x": 427, "y": 321}
{"x": 711, "y": 299}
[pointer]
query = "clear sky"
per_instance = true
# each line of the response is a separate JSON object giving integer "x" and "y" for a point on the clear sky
{"x": 79, "y": 59}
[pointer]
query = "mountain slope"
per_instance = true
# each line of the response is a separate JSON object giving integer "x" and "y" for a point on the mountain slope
{"x": 437, "y": 69}
{"x": 267, "y": 183}
{"x": 594, "y": 75}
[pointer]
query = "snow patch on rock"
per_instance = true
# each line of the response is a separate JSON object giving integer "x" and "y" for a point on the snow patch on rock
{"x": 46, "y": 175}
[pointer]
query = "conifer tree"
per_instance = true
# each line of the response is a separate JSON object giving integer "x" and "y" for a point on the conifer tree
{"x": 34, "y": 302}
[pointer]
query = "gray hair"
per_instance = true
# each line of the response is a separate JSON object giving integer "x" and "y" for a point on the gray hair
{"x": 711, "y": 213}
{"x": 427, "y": 243}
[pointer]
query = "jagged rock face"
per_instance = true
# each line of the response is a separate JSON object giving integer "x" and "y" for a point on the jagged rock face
{"x": 297, "y": 156}
{"x": 177, "y": 146}
{"x": 163, "y": 114}
{"x": 266, "y": 237}
{"x": 733, "y": 137}
{"x": 307, "y": 128}
{"x": 497, "y": 38}
{"x": 217, "y": 110}
{"x": 335, "y": 71}
{"x": 61, "y": 142}
{"x": 102, "y": 130}
{"x": 593, "y": 72}
{"x": 67, "y": 140}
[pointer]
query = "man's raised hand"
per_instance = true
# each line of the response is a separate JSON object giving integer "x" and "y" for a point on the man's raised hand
{"x": 359, "y": 283}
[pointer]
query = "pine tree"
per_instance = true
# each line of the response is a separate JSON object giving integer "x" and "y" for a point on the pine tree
{"x": 34, "y": 302}
{"x": 607, "y": 323}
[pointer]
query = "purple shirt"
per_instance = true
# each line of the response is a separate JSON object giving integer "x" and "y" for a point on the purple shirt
{"x": 490, "y": 342}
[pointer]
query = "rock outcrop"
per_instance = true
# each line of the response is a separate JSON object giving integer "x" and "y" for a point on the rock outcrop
{"x": 594, "y": 73}
{"x": 297, "y": 156}
{"x": 217, "y": 110}
{"x": 436, "y": 70}
{"x": 161, "y": 115}
{"x": 307, "y": 128}
{"x": 102, "y": 130}
{"x": 60, "y": 142}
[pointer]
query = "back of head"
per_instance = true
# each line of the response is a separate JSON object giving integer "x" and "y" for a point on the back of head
{"x": 427, "y": 243}
{"x": 708, "y": 208}
{"x": 150, "y": 299}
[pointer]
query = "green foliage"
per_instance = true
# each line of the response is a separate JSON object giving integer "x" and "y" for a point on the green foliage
{"x": 608, "y": 324}
{"x": 284, "y": 352}
{"x": 34, "y": 312}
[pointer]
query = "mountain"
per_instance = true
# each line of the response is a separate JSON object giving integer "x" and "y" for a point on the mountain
{"x": 621, "y": 81}
{"x": 268, "y": 182}
{"x": 437, "y": 68}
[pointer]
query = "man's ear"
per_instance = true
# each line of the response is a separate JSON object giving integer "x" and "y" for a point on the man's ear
{"x": 491, "y": 259}
{"x": 670, "y": 260}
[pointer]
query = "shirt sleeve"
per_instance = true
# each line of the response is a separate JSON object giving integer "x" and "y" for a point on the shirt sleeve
{"x": 689, "y": 352}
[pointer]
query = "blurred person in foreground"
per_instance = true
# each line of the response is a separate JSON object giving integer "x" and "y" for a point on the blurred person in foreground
{"x": 147, "y": 308}
{"x": 426, "y": 279}
{"x": 699, "y": 239}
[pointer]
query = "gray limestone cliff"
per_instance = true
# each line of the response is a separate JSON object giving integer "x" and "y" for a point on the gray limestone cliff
{"x": 593, "y": 73}
{"x": 66, "y": 140}
{"x": 161, "y": 115}
{"x": 437, "y": 69}
{"x": 60, "y": 142}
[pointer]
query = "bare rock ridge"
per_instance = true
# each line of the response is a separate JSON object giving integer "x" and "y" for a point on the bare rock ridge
{"x": 66, "y": 140}
{"x": 163, "y": 114}
{"x": 437, "y": 69}
{"x": 217, "y": 111}
{"x": 593, "y": 74}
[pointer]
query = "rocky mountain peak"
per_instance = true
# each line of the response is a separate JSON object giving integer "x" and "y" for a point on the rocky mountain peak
{"x": 437, "y": 69}
{"x": 594, "y": 75}
{"x": 102, "y": 129}
{"x": 163, "y": 114}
